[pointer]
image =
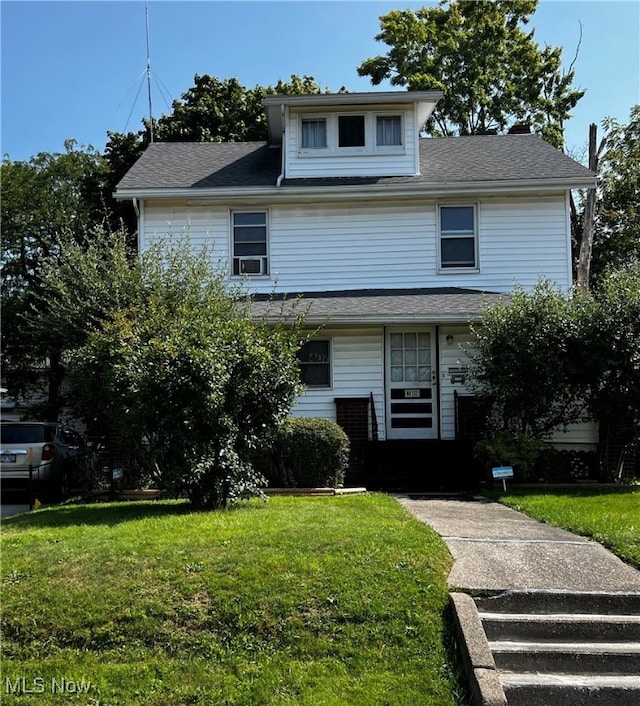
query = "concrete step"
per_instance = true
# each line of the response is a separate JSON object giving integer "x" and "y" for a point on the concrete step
{"x": 547, "y": 648}
{"x": 604, "y": 658}
{"x": 566, "y": 627}
{"x": 584, "y": 690}
{"x": 561, "y": 602}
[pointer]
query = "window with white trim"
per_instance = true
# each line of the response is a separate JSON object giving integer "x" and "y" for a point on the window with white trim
{"x": 314, "y": 133}
{"x": 458, "y": 236}
{"x": 388, "y": 131}
{"x": 351, "y": 131}
{"x": 369, "y": 132}
{"x": 314, "y": 359}
{"x": 249, "y": 242}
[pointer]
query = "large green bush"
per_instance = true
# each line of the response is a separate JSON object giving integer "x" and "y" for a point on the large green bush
{"x": 305, "y": 453}
{"x": 176, "y": 364}
{"x": 546, "y": 359}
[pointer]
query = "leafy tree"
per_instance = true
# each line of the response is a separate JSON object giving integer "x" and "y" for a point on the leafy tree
{"x": 47, "y": 201}
{"x": 121, "y": 152}
{"x": 546, "y": 359}
{"x": 609, "y": 329}
{"x": 526, "y": 362}
{"x": 492, "y": 71}
{"x": 177, "y": 366}
{"x": 212, "y": 110}
{"x": 216, "y": 110}
{"x": 617, "y": 223}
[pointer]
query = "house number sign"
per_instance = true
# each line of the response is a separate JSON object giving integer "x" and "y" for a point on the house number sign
{"x": 411, "y": 394}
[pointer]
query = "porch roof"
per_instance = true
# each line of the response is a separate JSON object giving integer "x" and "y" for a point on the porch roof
{"x": 377, "y": 306}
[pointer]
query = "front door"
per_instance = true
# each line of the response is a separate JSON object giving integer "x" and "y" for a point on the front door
{"x": 411, "y": 411}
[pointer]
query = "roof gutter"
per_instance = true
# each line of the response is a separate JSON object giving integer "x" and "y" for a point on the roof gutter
{"x": 355, "y": 191}
{"x": 375, "y": 320}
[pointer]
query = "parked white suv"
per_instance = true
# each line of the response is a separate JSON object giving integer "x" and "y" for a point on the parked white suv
{"x": 48, "y": 455}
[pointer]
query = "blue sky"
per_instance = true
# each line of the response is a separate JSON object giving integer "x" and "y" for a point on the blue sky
{"x": 72, "y": 69}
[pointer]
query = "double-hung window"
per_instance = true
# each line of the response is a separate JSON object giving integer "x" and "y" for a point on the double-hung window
{"x": 314, "y": 359}
{"x": 249, "y": 242}
{"x": 314, "y": 133}
{"x": 458, "y": 236}
{"x": 388, "y": 131}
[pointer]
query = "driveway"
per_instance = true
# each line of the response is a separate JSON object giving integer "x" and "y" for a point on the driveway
{"x": 7, "y": 510}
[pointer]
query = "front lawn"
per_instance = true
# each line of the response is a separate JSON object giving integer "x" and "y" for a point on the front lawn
{"x": 295, "y": 601}
{"x": 611, "y": 516}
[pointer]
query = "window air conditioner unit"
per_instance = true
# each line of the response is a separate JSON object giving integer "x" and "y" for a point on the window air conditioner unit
{"x": 253, "y": 265}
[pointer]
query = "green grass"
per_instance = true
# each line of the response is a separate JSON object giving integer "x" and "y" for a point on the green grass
{"x": 296, "y": 601}
{"x": 611, "y": 516}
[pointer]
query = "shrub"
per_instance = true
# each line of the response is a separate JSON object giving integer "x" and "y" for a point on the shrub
{"x": 188, "y": 376}
{"x": 305, "y": 453}
{"x": 504, "y": 449}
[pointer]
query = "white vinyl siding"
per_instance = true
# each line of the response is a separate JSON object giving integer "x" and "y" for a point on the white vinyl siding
{"x": 581, "y": 436}
{"x": 384, "y": 245}
{"x": 357, "y": 370}
{"x": 453, "y": 356}
{"x": 397, "y": 156}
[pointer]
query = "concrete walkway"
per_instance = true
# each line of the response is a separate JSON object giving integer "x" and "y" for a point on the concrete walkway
{"x": 7, "y": 510}
{"x": 496, "y": 548}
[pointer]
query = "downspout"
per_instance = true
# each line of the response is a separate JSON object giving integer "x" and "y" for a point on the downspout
{"x": 136, "y": 208}
{"x": 282, "y": 148}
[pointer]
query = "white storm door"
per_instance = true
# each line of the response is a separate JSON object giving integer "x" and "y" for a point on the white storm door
{"x": 410, "y": 374}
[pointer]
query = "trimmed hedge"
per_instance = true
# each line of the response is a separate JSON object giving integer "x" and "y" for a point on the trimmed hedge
{"x": 305, "y": 453}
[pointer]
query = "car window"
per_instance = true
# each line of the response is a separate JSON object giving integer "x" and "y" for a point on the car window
{"x": 22, "y": 434}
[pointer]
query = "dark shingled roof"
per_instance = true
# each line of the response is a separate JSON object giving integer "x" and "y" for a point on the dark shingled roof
{"x": 446, "y": 160}
{"x": 203, "y": 165}
{"x": 378, "y": 305}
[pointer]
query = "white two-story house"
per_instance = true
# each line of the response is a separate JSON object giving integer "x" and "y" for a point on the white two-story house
{"x": 396, "y": 242}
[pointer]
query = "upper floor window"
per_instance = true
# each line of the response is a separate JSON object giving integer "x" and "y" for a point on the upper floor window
{"x": 388, "y": 130}
{"x": 369, "y": 132}
{"x": 458, "y": 236}
{"x": 351, "y": 131}
{"x": 314, "y": 133}
{"x": 249, "y": 242}
{"x": 315, "y": 363}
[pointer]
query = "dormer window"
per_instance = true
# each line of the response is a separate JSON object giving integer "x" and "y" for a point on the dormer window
{"x": 388, "y": 131}
{"x": 314, "y": 133}
{"x": 367, "y": 133}
{"x": 351, "y": 131}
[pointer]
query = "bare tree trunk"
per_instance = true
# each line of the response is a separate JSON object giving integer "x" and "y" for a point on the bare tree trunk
{"x": 586, "y": 244}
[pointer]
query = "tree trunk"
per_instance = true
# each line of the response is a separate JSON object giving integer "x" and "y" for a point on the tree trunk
{"x": 588, "y": 227}
{"x": 55, "y": 376}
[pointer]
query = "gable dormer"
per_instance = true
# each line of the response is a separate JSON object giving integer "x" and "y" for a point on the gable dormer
{"x": 349, "y": 134}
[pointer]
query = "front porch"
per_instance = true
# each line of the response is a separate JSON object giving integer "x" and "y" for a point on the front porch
{"x": 415, "y": 465}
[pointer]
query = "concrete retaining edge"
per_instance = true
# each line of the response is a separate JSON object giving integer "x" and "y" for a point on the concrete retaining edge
{"x": 313, "y": 491}
{"x": 477, "y": 660}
